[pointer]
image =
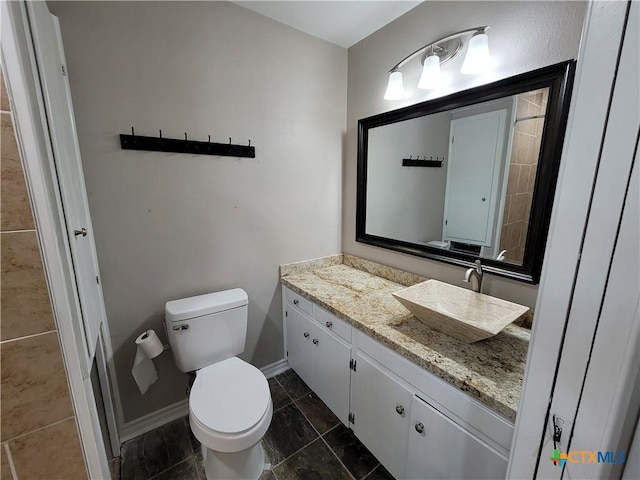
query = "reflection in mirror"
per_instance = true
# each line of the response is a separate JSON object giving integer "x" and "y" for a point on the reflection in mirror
{"x": 467, "y": 176}
{"x": 476, "y": 196}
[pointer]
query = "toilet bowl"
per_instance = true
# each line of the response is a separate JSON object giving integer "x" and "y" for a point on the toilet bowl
{"x": 230, "y": 410}
{"x": 230, "y": 405}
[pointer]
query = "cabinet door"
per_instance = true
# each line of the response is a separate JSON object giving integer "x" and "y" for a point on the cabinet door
{"x": 332, "y": 376}
{"x": 381, "y": 406}
{"x": 440, "y": 449}
{"x": 299, "y": 351}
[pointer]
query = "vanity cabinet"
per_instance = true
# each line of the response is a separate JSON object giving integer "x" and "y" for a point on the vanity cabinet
{"x": 319, "y": 356}
{"x": 440, "y": 448}
{"x": 416, "y": 424}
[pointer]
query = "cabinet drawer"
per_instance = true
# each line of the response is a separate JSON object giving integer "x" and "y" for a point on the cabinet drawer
{"x": 330, "y": 322}
{"x": 299, "y": 301}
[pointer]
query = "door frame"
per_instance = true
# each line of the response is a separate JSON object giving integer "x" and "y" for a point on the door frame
{"x": 28, "y": 112}
{"x": 564, "y": 343}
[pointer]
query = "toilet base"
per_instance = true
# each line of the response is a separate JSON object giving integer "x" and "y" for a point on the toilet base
{"x": 245, "y": 465}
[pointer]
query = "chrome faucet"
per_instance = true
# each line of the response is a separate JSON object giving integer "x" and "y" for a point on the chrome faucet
{"x": 474, "y": 276}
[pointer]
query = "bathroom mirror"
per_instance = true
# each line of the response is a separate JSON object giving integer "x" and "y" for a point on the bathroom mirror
{"x": 467, "y": 176}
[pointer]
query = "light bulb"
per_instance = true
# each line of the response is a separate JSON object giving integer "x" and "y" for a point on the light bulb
{"x": 478, "y": 59}
{"x": 395, "y": 88}
{"x": 430, "y": 77}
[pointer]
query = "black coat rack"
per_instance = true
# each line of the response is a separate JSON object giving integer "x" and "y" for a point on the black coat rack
{"x": 174, "y": 145}
{"x": 416, "y": 162}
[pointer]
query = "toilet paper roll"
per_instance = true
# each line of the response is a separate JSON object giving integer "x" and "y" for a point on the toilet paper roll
{"x": 150, "y": 344}
{"x": 143, "y": 371}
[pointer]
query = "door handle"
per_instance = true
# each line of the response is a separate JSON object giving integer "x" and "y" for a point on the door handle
{"x": 82, "y": 231}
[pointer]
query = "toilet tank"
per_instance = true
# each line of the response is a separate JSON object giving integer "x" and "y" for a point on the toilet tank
{"x": 206, "y": 329}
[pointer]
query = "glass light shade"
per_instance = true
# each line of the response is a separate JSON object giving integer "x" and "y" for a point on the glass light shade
{"x": 395, "y": 88}
{"x": 478, "y": 59}
{"x": 430, "y": 77}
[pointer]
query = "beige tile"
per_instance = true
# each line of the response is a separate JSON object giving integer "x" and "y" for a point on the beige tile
{"x": 51, "y": 453}
{"x": 4, "y": 98}
{"x": 522, "y": 107}
{"x": 523, "y": 179}
{"x": 507, "y": 237}
{"x": 519, "y": 148}
{"x": 519, "y": 205}
{"x": 26, "y": 308}
{"x": 529, "y": 157}
{"x": 512, "y": 180}
{"x": 34, "y": 386}
{"x": 15, "y": 209}
{"x": 5, "y": 469}
{"x": 533, "y": 149}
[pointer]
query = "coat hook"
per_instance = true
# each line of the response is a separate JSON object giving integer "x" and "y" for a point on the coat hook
{"x": 185, "y": 136}
{"x": 160, "y": 134}
{"x": 132, "y": 132}
{"x": 209, "y": 139}
{"x": 249, "y": 142}
{"x": 229, "y": 140}
{"x": 410, "y": 157}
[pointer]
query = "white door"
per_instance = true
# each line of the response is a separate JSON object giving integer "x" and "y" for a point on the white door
{"x": 68, "y": 166}
{"x": 332, "y": 377}
{"x": 299, "y": 351}
{"x": 476, "y": 147}
{"x": 440, "y": 449}
{"x": 382, "y": 407}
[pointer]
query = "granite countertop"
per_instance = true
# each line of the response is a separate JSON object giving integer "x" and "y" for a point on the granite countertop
{"x": 359, "y": 292}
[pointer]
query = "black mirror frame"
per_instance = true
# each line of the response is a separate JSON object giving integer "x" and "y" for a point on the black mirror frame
{"x": 559, "y": 79}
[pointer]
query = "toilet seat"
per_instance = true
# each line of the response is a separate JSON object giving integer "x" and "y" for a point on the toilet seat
{"x": 230, "y": 405}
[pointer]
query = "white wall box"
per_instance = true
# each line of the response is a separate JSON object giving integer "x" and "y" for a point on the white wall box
{"x": 394, "y": 407}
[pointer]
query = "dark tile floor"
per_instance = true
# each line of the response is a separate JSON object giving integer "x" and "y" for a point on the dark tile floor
{"x": 305, "y": 441}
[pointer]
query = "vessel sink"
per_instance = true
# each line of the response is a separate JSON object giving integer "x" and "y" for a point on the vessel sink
{"x": 464, "y": 314}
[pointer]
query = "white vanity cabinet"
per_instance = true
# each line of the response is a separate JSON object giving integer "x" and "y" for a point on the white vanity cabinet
{"x": 416, "y": 424}
{"x": 439, "y": 448}
{"x": 318, "y": 355}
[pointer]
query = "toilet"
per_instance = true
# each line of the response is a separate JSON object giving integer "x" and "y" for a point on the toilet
{"x": 230, "y": 405}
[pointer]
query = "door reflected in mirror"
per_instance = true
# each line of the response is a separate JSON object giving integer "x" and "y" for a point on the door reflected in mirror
{"x": 476, "y": 194}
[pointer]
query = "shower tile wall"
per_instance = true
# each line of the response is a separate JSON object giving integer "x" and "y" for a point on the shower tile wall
{"x": 39, "y": 434}
{"x": 527, "y": 135}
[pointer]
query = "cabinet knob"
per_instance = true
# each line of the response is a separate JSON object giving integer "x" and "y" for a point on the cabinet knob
{"x": 295, "y": 301}
{"x": 419, "y": 427}
{"x": 315, "y": 341}
{"x": 306, "y": 334}
{"x": 399, "y": 409}
{"x": 329, "y": 324}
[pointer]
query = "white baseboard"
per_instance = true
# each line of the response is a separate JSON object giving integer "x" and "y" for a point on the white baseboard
{"x": 154, "y": 420}
{"x": 276, "y": 368}
{"x": 181, "y": 409}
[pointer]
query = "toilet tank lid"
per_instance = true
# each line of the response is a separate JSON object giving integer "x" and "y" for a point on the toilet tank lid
{"x": 198, "y": 306}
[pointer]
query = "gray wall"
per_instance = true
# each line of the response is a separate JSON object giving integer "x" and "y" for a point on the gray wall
{"x": 407, "y": 203}
{"x": 523, "y": 36}
{"x": 174, "y": 225}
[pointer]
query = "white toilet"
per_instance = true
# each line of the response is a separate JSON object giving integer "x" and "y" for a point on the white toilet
{"x": 230, "y": 406}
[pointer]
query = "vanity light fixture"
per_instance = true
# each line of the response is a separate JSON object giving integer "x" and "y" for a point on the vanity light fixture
{"x": 436, "y": 54}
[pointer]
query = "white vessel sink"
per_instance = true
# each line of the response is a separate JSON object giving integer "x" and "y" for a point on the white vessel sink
{"x": 461, "y": 313}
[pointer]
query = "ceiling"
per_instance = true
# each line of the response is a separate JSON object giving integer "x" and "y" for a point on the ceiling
{"x": 341, "y": 22}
